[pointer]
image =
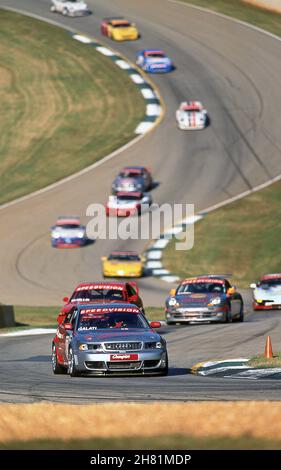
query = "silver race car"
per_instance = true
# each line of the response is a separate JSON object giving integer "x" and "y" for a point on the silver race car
{"x": 70, "y": 7}
{"x": 108, "y": 338}
{"x": 267, "y": 293}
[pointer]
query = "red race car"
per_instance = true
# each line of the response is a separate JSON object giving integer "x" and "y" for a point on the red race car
{"x": 104, "y": 292}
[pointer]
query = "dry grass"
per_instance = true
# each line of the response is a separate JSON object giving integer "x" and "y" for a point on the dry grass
{"x": 261, "y": 362}
{"x": 213, "y": 419}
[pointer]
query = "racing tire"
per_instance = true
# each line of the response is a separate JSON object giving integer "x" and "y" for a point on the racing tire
{"x": 228, "y": 317}
{"x": 72, "y": 371}
{"x": 165, "y": 371}
{"x": 57, "y": 368}
{"x": 240, "y": 317}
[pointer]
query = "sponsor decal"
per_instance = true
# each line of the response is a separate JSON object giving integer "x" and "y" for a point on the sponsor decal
{"x": 202, "y": 280}
{"x": 110, "y": 310}
{"x": 99, "y": 286}
{"x": 124, "y": 357}
{"x": 198, "y": 296}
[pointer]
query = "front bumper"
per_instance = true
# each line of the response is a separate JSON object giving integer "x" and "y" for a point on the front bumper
{"x": 73, "y": 14}
{"x": 263, "y": 306}
{"x": 158, "y": 69}
{"x": 150, "y": 362}
{"x": 72, "y": 243}
{"x": 123, "y": 274}
{"x": 199, "y": 316}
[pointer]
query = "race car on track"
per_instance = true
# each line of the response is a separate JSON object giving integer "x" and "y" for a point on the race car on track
{"x": 70, "y": 7}
{"x": 119, "y": 29}
{"x": 208, "y": 298}
{"x": 122, "y": 264}
{"x": 267, "y": 292}
{"x": 133, "y": 178}
{"x": 68, "y": 233}
{"x": 154, "y": 61}
{"x": 126, "y": 204}
{"x": 108, "y": 338}
{"x": 101, "y": 292}
{"x": 191, "y": 115}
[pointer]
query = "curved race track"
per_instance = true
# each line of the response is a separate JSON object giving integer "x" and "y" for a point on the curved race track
{"x": 235, "y": 71}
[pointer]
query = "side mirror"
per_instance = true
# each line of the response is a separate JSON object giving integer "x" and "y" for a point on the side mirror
{"x": 68, "y": 327}
{"x": 66, "y": 300}
{"x": 253, "y": 285}
{"x": 231, "y": 291}
{"x": 172, "y": 292}
{"x": 155, "y": 324}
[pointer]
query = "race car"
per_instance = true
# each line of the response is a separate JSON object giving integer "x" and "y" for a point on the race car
{"x": 70, "y": 7}
{"x": 90, "y": 292}
{"x": 104, "y": 339}
{"x": 133, "y": 178}
{"x": 191, "y": 115}
{"x": 267, "y": 293}
{"x": 126, "y": 204}
{"x": 119, "y": 29}
{"x": 154, "y": 61}
{"x": 208, "y": 298}
{"x": 68, "y": 233}
{"x": 123, "y": 264}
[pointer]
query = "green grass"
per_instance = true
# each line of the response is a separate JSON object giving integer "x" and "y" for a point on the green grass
{"x": 260, "y": 362}
{"x": 264, "y": 19}
{"x": 241, "y": 238}
{"x": 45, "y": 317}
{"x": 63, "y": 105}
{"x": 149, "y": 443}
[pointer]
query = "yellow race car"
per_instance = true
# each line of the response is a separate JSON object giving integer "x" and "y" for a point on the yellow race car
{"x": 123, "y": 264}
{"x": 119, "y": 29}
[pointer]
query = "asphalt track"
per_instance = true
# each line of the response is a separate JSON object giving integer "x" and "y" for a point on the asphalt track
{"x": 235, "y": 71}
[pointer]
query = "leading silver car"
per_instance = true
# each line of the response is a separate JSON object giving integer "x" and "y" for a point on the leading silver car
{"x": 70, "y": 7}
{"x": 105, "y": 339}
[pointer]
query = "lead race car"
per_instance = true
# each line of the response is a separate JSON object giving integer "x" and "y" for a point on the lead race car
{"x": 267, "y": 292}
{"x": 68, "y": 232}
{"x": 70, "y": 7}
{"x": 191, "y": 115}
{"x": 208, "y": 298}
{"x": 105, "y": 339}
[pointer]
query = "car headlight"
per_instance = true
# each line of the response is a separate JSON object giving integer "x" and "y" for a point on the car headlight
{"x": 55, "y": 235}
{"x": 83, "y": 347}
{"x": 172, "y": 302}
{"x": 80, "y": 234}
{"x": 215, "y": 301}
{"x": 153, "y": 345}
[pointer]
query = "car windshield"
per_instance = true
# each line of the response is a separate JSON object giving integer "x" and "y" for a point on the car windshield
{"x": 192, "y": 110}
{"x": 68, "y": 226}
{"x": 130, "y": 174}
{"x": 200, "y": 288}
{"x": 122, "y": 25}
{"x": 123, "y": 257}
{"x": 128, "y": 197}
{"x": 155, "y": 54}
{"x": 97, "y": 294}
{"x": 268, "y": 283}
{"x": 112, "y": 320}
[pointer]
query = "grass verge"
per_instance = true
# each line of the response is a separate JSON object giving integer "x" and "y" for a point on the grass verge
{"x": 264, "y": 19}
{"x": 138, "y": 442}
{"x": 238, "y": 239}
{"x": 60, "y": 103}
{"x": 45, "y": 317}
{"x": 260, "y": 362}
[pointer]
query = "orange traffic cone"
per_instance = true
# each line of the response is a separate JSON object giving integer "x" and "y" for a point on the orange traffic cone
{"x": 268, "y": 348}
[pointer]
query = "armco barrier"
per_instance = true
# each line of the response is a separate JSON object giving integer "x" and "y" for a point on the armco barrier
{"x": 7, "y": 316}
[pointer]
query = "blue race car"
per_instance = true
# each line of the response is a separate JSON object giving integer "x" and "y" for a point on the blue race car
{"x": 154, "y": 61}
{"x": 68, "y": 233}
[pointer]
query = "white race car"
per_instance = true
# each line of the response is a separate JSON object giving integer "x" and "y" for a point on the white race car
{"x": 267, "y": 292}
{"x": 70, "y": 7}
{"x": 191, "y": 115}
{"x": 125, "y": 204}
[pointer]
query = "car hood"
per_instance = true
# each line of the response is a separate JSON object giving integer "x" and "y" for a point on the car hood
{"x": 192, "y": 119}
{"x": 69, "y": 233}
{"x": 158, "y": 60}
{"x": 120, "y": 180}
{"x": 197, "y": 300}
{"x": 119, "y": 336}
{"x": 268, "y": 294}
{"x": 76, "y": 6}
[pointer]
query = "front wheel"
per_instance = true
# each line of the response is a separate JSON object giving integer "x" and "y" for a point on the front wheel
{"x": 65, "y": 11}
{"x": 72, "y": 371}
{"x": 57, "y": 368}
{"x": 240, "y": 317}
{"x": 165, "y": 370}
{"x": 228, "y": 316}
